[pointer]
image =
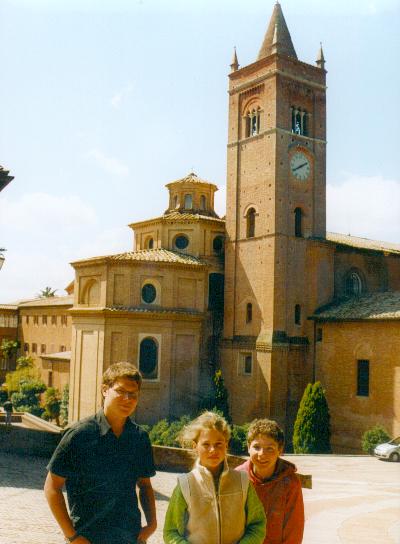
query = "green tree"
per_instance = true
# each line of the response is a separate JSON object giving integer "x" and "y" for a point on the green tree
{"x": 27, "y": 398}
{"x": 26, "y": 371}
{"x": 52, "y": 405}
{"x": 221, "y": 395}
{"x": 9, "y": 350}
{"x": 47, "y": 292}
{"x": 312, "y": 426}
{"x": 25, "y": 361}
{"x": 373, "y": 437}
{"x": 64, "y": 406}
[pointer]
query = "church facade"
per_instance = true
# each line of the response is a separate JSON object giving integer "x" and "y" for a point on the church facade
{"x": 265, "y": 293}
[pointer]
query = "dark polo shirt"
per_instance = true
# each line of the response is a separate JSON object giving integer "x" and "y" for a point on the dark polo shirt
{"x": 101, "y": 472}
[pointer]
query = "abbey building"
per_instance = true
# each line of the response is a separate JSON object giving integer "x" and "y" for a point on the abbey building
{"x": 266, "y": 293}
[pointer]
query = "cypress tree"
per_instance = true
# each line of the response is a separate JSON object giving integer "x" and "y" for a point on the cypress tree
{"x": 312, "y": 427}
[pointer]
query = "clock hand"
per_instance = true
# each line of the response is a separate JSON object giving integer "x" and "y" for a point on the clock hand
{"x": 298, "y": 167}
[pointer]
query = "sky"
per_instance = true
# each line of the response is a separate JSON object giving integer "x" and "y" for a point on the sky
{"x": 103, "y": 102}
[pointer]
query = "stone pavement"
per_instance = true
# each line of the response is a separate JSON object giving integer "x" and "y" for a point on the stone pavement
{"x": 353, "y": 500}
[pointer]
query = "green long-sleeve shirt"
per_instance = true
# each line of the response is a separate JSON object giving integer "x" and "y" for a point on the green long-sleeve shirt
{"x": 177, "y": 517}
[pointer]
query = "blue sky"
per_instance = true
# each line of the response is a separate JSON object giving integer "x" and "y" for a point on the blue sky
{"x": 104, "y": 102}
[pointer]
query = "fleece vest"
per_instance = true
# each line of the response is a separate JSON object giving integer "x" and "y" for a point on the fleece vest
{"x": 216, "y": 517}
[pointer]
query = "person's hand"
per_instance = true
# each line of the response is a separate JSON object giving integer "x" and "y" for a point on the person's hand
{"x": 145, "y": 533}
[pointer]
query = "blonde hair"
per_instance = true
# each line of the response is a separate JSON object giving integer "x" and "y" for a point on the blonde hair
{"x": 204, "y": 422}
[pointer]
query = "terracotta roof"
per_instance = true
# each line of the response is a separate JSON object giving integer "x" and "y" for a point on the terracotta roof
{"x": 153, "y": 309}
{"x": 192, "y": 178}
{"x": 373, "y": 306}
{"x": 179, "y": 217}
{"x": 48, "y": 301}
{"x": 363, "y": 243}
{"x": 152, "y": 255}
{"x": 61, "y": 355}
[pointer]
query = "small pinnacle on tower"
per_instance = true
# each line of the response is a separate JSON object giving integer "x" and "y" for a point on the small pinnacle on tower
{"x": 234, "y": 63}
{"x": 320, "y": 62}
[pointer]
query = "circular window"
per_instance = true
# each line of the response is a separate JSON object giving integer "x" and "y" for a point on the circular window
{"x": 218, "y": 244}
{"x": 149, "y": 293}
{"x": 181, "y": 242}
{"x": 148, "y": 358}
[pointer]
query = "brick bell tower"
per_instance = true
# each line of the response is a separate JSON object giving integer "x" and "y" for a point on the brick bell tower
{"x": 275, "y": 223}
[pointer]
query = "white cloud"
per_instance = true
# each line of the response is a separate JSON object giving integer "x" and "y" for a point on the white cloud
{"x": 368, "y": 207}
{"x": 121, "y": 95}
{"x": 45, "y": 213}
{"x": 109, "y": 164}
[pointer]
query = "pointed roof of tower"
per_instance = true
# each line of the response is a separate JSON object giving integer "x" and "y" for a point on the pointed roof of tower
{"x": 234, "y": 63}
{"x": 277, "y": 38}
{"x": 320, "y": 58}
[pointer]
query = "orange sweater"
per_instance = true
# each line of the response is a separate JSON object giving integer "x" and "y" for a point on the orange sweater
{"x": 282, "y": 499}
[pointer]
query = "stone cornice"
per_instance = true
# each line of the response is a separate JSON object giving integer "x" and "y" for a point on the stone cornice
{"x": 276, "y": 130}
{"x": 159, "y": 314}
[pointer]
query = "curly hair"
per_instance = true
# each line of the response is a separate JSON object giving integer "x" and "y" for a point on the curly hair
{"x": 266, "y": 427}
{"x": 121, "y": 370}
{"x": 204, "y": 422}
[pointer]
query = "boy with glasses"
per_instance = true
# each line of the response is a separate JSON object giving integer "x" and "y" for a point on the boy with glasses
{"x": 101, "y": 460}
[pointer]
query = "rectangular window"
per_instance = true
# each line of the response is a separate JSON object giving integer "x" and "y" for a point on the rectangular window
{"x": 363, "y": 378}
{"x": 43, "y": 348}
{"x": 54, "y": 320}
{"x": 64, "y": 320}
{"x": 50, "y": 379}
{"x": 63, "y": 348}
{"x": 34, "y": 348}
{"x": 36, "y": 320}
{"x": 319, "y": 335}
{"x": 44, "y": 319}
{"x": 245, "y": 364}
{"x": 26, "y": 347}
{"x": 27, "y": 319}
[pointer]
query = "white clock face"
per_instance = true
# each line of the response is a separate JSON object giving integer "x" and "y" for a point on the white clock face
{"x": 300, "y": 166}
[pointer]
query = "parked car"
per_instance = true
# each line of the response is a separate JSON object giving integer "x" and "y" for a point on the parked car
{"x": 389, "y": 450}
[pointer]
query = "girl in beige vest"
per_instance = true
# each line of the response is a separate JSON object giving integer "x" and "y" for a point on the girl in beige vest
{"x": 213, "y": 504}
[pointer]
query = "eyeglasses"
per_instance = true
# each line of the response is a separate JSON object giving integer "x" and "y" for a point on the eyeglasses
{"x": 126, "y": 395}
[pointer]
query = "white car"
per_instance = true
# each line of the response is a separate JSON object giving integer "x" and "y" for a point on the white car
{"x": 389, "y": 450}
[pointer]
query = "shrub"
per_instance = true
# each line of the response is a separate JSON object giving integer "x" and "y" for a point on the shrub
{"x": 3, "y": 395}
{"x": 221, "y": 395}
{"x": 64, "y": 406}
{"x": 52, "y": 403}
{"x": 166, "y": 433}
{"x": 238, "y": 441}
{"x": 312, "y": 426}
{"x": 373, "y": 437}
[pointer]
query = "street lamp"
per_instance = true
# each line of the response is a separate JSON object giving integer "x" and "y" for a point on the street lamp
{"x": 2, "y": 258}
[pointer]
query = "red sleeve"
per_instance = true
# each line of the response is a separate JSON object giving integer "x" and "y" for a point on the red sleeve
{"x": 293, "y": 524}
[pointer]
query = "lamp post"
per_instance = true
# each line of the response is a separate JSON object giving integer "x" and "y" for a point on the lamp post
{"x": 2, "y": 258}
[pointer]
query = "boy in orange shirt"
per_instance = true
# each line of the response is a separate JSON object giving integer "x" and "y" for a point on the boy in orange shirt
{"x": 275, "y": 482}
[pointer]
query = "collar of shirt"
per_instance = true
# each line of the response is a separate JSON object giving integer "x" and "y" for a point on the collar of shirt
{"x": 105, "y": 427}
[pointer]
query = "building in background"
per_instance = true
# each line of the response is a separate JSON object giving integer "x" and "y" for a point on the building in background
{"x": 266, "y": 294}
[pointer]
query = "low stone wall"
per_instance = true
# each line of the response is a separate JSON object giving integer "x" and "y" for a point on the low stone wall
{"x": 28, "y": 441}
{"x": 181, "y": 460}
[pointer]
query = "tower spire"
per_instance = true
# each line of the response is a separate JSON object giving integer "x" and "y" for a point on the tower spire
{"x": 277, "y": 38}
{"x": 320, "y": 62}
{"x": 234, "y": 63}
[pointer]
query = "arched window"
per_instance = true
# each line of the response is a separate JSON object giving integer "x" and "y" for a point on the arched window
{"x": 298, "y": 228}
{"x": 188, "y": 202}
{"x": 297, "y": 314}
{"x": 218, "y": 244}
{"x": 249, "y": 312}
{"x": 150, "y": 243}
{"x": 253, "y": 122}
{"x": 299, "y": 121}
{"x": 202, "y": 202}
{"x": 148, "y": 359}
{"x": 354, "y": 285}
{"x": 251, "y": 223}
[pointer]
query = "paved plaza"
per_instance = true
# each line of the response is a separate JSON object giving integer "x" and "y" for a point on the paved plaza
{"x": 354, "y": 500}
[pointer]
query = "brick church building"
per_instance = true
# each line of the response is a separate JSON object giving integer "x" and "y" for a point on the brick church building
{"x": 266, "y": 293}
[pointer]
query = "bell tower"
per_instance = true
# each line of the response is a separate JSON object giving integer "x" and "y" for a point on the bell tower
{"x": 275, "y": 224}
